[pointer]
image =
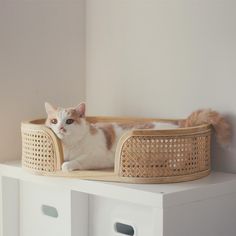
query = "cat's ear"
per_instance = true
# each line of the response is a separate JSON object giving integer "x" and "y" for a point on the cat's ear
{"x": 80, "y": 109}
{"x": 49, "y": 108}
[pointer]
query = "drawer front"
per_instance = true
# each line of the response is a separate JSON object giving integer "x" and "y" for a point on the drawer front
{"x": 108, "y": 217}
{"x": 44, "y": 210}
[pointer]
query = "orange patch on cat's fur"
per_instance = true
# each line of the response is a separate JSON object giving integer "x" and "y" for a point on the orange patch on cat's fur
{"x": 72, "y": 114}
{"x": 92, "y": 129}
{"x": 109, "y": 134}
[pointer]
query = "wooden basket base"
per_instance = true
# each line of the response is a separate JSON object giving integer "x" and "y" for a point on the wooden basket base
{"x": 108, "y": 175}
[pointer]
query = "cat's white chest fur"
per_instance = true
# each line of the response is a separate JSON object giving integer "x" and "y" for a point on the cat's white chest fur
{"x": 89, "y": 153}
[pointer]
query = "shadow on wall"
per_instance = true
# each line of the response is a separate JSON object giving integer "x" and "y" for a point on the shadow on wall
{"x": 224, "y": 157}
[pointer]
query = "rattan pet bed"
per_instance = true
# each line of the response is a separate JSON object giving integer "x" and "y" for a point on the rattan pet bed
{"x": 142, "y": 156}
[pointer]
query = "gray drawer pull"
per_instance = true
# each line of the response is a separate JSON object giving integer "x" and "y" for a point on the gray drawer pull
{"x": 124, "y": 229}
{"x": 49, "y": 211}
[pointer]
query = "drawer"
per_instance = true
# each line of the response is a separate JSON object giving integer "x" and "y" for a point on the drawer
{"x": 108, "y": 217}
{"x": 51, "y": 211}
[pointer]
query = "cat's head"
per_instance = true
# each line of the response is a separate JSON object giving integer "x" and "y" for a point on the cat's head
{"x": 64, "y": 121}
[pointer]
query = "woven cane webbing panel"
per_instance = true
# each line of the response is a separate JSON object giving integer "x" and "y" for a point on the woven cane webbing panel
{"x": 155, "y": 156}
{"x": 38, "y": 151}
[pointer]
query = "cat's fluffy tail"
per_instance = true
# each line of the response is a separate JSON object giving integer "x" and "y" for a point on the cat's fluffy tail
{"x": 208, "y": 116}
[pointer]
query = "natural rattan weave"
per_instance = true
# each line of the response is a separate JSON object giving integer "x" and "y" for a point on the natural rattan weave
{"x": 142, "y": 156}
{"x": 41, "y": 150}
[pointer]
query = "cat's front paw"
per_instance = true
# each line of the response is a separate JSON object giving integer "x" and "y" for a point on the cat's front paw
{"x": 66, "y": 167}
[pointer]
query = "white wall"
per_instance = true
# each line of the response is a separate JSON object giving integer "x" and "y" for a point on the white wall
{"x": 156, "y": 58}
{"x": 163, "y": 58}
{"x": 42, "y": 57}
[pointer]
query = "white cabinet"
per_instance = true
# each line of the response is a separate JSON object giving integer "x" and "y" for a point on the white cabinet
{"x": 36, "y": 205}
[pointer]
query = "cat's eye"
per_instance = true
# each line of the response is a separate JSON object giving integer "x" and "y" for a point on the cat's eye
{"x": 69, "y": 121}
{"x": 54, "y": 121}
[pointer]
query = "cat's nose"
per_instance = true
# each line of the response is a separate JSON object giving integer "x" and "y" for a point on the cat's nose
{"x": 62, "y": 128}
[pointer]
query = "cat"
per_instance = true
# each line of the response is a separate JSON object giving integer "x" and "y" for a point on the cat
{"x": 93, "y": 146}
{"x": 86, "y": 145}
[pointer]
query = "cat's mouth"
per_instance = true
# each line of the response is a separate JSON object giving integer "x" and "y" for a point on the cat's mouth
{"x": 61, "y": 133}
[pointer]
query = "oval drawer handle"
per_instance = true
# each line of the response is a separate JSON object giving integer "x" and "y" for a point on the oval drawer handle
{"x": 49, "y": 211}
{"x": 124, "y": 229}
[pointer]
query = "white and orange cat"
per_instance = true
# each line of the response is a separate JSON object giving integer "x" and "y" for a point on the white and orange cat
{"x": 91, "y": 146}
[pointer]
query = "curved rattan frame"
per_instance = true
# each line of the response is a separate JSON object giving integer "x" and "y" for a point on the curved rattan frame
{"x": 34, "y": 129}
{"x": 181, "y": 133}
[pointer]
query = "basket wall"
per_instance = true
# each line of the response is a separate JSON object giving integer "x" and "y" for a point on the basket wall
{"x": 41, "y": 151}
{"x": 164, "y": 156}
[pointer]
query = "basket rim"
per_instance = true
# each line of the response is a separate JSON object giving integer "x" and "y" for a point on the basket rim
{"x": 118, "y": 119}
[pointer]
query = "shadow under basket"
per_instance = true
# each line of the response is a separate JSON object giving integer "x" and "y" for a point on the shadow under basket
{"x": 142, "y": 156}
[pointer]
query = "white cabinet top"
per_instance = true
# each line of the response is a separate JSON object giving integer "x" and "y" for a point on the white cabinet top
{"x": 155, "y": 195}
